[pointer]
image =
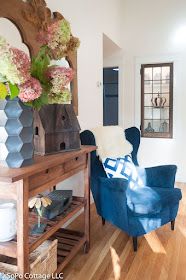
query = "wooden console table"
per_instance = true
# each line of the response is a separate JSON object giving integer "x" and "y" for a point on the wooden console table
{"x": 23, "y": 183}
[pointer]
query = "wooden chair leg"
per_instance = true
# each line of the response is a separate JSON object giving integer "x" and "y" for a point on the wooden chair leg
{"x": 135, "y": 243}
{"x": 103, "y": 221}
{"x": 172, "y": 224}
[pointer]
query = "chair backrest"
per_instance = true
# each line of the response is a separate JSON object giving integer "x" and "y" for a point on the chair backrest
{"x": 132, "y": 134}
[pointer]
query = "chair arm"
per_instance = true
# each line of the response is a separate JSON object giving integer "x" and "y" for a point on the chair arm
{"x": 113, "y": 201}
{"x": 114, "y": 184}
{"x": 160, "y": 176}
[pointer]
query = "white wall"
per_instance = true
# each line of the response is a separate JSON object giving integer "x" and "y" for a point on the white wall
{"x": 89, "y": 20}
{"x": 155, "y": 31}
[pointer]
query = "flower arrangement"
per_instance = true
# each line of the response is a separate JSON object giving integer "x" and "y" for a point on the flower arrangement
{"x": 15, "y": 74}
{"x": 57, "y": 41}
{"x": 35, "y": 81}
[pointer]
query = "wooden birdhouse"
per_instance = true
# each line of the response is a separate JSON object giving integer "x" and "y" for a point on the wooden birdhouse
{"x": 56, "y": 129}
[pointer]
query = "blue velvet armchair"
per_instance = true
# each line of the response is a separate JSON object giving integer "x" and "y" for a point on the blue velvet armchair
{"x": 140, "y": 210}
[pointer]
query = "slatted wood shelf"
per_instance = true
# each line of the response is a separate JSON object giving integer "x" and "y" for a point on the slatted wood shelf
{"x": 54, "y": 224}
{"x": 69, "y": 242}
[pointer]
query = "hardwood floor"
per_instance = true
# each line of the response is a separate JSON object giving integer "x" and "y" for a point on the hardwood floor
{"x": 161, "y": 254}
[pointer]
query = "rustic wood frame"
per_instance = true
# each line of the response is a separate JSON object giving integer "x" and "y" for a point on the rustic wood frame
{"x": 157, "y": 134}
{"x": 30, "y": 17}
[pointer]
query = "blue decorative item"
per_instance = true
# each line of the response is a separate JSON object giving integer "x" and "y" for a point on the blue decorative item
{"x": 122, "y": 167}
{"x": 140, "y": 210}
{"x": 38, "y": 229}
{"x": 149, "y": 128}
{"x": 16, "y": 133}
{"x": 164, "y": 127}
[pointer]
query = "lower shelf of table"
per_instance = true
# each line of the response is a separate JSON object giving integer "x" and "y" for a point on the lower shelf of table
{"x": 69, "y": 243}
{"x": 10, "y": 248}
{"x": 53, "y": 225}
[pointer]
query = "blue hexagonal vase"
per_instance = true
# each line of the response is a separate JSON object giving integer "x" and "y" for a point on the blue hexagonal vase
{"x": 16, "y": 134}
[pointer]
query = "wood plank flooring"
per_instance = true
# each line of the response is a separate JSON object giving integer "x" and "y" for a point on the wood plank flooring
{"x": 161, "y": 254}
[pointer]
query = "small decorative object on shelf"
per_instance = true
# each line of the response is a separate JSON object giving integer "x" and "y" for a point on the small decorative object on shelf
{"x": 164, "y": 127}
{"x": 149, "y": 128}
{"x": 39, "y": 203}
{"x": 56, "y": 129}
{"x": 159, "y": 101}
{"x": 7, "y": 221}
{"x": 61, "y": 199}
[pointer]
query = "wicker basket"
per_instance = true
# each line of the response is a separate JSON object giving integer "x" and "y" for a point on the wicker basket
{"x": 8, "y": 268}
{"x": 42, "y": 261}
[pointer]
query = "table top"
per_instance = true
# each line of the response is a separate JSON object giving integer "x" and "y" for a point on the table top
{"x": 41, "y": 163}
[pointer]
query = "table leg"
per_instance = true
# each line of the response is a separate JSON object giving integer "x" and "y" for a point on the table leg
{"x": 22, "y": 227}
{"x": 87, "y": 204}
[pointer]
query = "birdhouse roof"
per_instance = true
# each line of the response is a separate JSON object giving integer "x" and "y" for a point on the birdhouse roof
{"x": 58, "y": 118}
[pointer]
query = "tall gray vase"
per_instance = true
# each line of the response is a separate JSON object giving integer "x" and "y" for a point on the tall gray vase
{"x": 16, "y": 134}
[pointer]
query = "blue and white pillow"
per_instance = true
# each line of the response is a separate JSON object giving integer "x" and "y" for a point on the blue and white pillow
{"x": 122, "y": 167}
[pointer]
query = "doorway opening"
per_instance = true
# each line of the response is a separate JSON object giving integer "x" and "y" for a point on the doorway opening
{"x": 112, "y": 66}
{"x": 110, "y": 95}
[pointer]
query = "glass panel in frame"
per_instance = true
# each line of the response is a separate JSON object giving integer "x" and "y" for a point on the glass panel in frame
{"x": 156, "y": 125}
{"x": 165, "y": 113}
{"x": 165, "y": 72}
{"x": 165, "y": 86}
{"x": 148, "y": 113}
{"x": 156, "y": 73}
{"x": 156, "y": 86}
{"x": 148, "y": 74}
{"x": 148, "y": 87}
{"x": 156, "y": 114}
{"x": 147, "y": 99}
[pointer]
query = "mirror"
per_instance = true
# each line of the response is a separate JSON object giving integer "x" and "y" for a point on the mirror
{"x": 29, "y": 17}
{"x": 9, "y": 31}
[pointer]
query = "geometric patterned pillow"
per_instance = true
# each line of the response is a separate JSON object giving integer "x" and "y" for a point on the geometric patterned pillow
{"x": 122, "y": 167}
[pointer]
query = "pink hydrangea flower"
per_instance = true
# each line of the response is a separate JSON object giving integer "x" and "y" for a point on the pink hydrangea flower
{"x": 22, "y": 63}
{"x": 30, "y": 90}
{"x": 65, "y": 75}
{"x": 59, "y": 78}
{"x": 56, "y": 37}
